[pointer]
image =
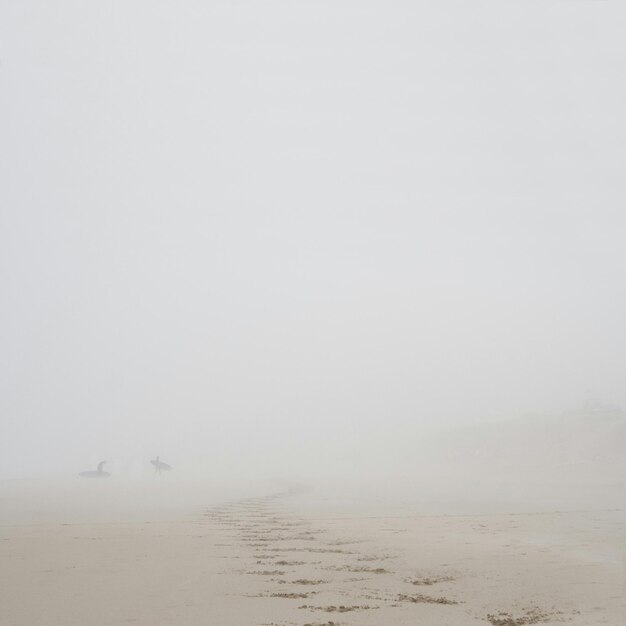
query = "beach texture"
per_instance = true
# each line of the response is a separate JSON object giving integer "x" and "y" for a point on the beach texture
{"x": 279, "y": 561}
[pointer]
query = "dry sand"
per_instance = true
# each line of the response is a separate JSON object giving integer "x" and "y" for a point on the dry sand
{"x": 288, "y": 560}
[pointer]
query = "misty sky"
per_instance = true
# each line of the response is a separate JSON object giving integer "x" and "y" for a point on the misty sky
{"x": 283, "y": 225}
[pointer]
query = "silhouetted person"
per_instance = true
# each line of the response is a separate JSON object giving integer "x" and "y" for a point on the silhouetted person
{"x": 99, "y": 473}
{"x": 159, "y": 466}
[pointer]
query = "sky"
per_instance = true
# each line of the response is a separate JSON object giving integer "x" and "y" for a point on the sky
{"x": 281, "y": 230}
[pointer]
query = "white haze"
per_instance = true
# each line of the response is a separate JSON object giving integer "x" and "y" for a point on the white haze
{"x": 295, "y": 239}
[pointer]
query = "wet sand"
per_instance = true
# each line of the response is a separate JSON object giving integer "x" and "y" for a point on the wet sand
{"x": 287, "y": 560}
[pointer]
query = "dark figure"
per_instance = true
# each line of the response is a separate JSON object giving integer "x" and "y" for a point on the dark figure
{"x": 99, "y": 473}
{"x": 159, "y": 466}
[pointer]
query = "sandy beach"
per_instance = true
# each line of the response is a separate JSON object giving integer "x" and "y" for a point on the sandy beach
{"x": 313, "y": 313}
{"x": 291, "y": 559}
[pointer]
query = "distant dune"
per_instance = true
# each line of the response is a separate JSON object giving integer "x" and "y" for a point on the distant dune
{"x": 573, "y": 460}
{"x": 594, "y": 441}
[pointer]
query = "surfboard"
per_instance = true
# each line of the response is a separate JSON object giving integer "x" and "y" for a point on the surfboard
{"x": 160, "y": 465}
{"x": 94, "y": 474}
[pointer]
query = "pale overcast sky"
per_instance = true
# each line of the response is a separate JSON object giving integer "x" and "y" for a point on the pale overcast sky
{"x": 280, "y": 226}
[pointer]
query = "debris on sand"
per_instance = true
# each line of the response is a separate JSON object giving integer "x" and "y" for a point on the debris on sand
{"x": 302, "y": 581}
{"x": 337, "y": 609}
{"x": 431, "y": 580}
{"x": 531, "y": 616}
{"x": 360, "y": 570}
{"x": 420, "y": 598}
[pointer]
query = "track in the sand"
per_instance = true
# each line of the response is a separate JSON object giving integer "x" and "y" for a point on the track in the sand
{"x": 303, "y": 563}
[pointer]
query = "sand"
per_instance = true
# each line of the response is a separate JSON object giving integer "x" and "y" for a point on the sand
{"x": 289, "y": 559}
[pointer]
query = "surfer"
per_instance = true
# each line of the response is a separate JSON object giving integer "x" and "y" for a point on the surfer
{"x": 99, "y": 473}
{"x": 159, "y": 466}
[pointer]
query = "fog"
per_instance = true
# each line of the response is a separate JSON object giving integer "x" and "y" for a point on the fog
{"x": 312, "y": 241}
